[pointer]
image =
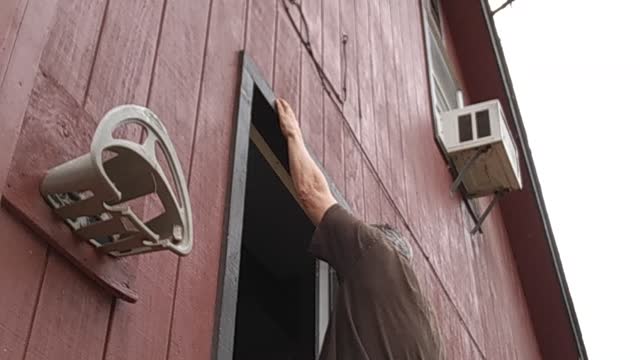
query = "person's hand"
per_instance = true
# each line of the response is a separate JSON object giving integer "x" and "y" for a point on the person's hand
{"x": 288, "y": 122}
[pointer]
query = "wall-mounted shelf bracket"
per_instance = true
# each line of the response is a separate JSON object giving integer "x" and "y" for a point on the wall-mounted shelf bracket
{"x": 465, "y": 167}
{"x": 486, "y": 212}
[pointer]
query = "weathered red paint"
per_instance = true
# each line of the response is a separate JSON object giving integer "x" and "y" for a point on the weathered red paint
{"x": 409, "y": 113}
{"x": 182, "y": 61}
{"x": 542, "y": 298}
{"x": 331, "y": 55}
{"x": 366, "y": 136}
{"x": 20, "y": 72}
{"x": 393, "y": 87}
{"x": 70, "y": 50}
{"x": 10, "y": 20}
{"x": 194, "y": 309}
{"x": 286, "y": 82}
{"x": 350, "y": 65}
{"x": 353, "y": 187}
{"x": 333, "y": 150}
{"x": 72, "y": 315}
{"x": 261, "y": 31}
{"x": 67, "y": 67}
{"x": 372, "y": 203}
{"x": 380, "y": 101}
{"x": 399, "y": 52}
{"x": 52, "y": 117}
{"x": 178, "y": 65}
{"x": 311, "y": 107}
{"x": 21, "y": 249}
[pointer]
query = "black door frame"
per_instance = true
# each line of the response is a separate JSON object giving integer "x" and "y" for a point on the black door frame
{"x": 229, "y": 271}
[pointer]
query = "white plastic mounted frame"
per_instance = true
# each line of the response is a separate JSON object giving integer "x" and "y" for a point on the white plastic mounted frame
{"x": 91, "y": 192}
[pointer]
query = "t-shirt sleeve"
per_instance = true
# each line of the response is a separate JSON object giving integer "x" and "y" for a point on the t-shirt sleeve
{"x": 340, "y": 239}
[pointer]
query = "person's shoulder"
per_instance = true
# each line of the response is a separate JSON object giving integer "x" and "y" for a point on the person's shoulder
{"x": 394, "y": 240}
{"x": 339, "y": 212}
{"x": 341, "y": 221}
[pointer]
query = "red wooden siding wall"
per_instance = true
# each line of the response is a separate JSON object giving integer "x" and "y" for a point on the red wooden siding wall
{"x": 180, "y": 58}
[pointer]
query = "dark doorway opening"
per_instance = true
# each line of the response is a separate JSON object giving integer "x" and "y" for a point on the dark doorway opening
{"x": 274, "y": 297}
{"x": 275, "y": 313}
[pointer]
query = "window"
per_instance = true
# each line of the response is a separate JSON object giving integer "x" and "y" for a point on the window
{"x": 434, "y": 11}
{"x": 446, "y": 93}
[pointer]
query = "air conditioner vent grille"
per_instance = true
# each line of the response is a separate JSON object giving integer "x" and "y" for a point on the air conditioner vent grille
{"x": 483, "y": 124}
{"x": 465, "y": 130}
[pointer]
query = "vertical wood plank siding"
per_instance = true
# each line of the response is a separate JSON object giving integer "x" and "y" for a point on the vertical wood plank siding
{"x": 353, "y": 178}
{"x": 10, "y": 20}
{"x": 23, "y": 31}
{"x": 311, "y": 100}
{"x": 365, "y": 84}
{"x": 173, "y": 96}
{"x": 21, "y": 250}
{"x": 182, "y": 60}
{"x": 127, "y": 40}
{"x": 194, "y": 308}
{"x": 286, "y": 82}
{"x": 380, "y": 103}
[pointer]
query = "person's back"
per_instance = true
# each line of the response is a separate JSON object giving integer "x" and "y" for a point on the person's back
{"x": 380, "y": 312}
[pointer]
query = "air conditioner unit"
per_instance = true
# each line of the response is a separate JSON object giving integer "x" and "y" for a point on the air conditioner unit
{"x": 481, "y": 147}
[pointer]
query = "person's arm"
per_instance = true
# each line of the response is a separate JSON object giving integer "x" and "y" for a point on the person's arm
{"x": 309, "y": 182}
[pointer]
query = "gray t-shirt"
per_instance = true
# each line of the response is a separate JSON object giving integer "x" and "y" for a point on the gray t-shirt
{"x": 379, "y": 312}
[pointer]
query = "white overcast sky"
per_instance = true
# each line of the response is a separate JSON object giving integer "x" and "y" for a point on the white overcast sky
{"x": 575, "y": 65}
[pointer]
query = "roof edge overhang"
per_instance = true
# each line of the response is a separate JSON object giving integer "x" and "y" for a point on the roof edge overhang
{"x": 531, "y": 169}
